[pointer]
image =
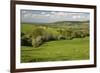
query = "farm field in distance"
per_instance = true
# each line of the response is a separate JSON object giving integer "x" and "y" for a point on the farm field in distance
{"x": 58, "y": 41}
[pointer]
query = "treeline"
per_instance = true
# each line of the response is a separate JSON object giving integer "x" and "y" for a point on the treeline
{"x": 39, "y": 35}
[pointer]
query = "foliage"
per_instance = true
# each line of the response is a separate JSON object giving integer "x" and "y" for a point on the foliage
{"x": 37, "y": 34}
{"x": 25, "y": 40}
{"x": 76, "y": 49}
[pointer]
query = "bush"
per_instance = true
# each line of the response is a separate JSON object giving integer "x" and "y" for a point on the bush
{"x": 22, "y": 34}
{"x": 38, "y": 32}
{"x": 26, "y": 41}
{"x": 50, "y": 34}
{"x": 78, "y": 34}
{"x": 67, "y": 34}
{"x": 39, "y": 35}
{"x": 61, "y": 37}
{"x": 37, "y": 41}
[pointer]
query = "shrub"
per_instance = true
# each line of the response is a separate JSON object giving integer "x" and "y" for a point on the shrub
{"x": 22, "y": 34}
{"x": 26, "y": 41}
{"x": 50, "y": 34}
{"x": 37, "y": 41}
{"x": 67, "y": 34}
{"x": 38, "y": 32}
{"x": 78, "y": 34}
{"x": 39, "y": 35}
{"x": 61, "y": 37}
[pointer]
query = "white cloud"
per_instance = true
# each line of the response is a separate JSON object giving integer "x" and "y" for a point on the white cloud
{"x": 47, "y": 15}
{"x": 24, "y": 11}
{"x": 60, "y": 13}
{"x": 50, "y": 16}
{"x": 53, "y": 12}
{"x": 76, "y": 16}
{"x": 43, "y": 13}
{"x": 26, "y": 15}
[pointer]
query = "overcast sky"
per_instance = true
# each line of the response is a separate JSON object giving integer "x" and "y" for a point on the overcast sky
{"x": 42, "y": 16}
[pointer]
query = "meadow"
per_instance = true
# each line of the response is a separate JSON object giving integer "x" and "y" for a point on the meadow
{"x": 59, "y": 41}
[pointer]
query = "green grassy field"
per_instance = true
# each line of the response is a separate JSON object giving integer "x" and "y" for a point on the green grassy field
{"x": 76, "y": 49}
{"x": 61, "y": 41}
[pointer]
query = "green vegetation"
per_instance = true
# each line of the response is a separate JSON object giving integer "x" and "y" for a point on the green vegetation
{"x": 54, "y": 41}
{"x": 76, "y": 49}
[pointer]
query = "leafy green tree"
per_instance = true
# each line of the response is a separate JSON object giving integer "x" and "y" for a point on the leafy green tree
{"x": 25, "y": 40}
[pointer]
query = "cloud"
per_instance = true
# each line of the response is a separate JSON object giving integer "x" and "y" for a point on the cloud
{"x": 52, "y": 12}
{"x": 24, "y": 11}
{"x": 52, "y": 16}
{"x": 43, "y": 13}
{"x": 47, "y": 15}
{"x": 60, "y": 13}
{"x": 76, "y": 16}
{"x": 27, "y": 15}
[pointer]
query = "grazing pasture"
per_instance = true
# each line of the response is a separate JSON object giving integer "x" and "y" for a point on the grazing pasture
{"x": 76, "y": 49}
{"x": 57, "y": 41}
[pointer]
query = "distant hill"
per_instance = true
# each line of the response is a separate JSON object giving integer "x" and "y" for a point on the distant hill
{"x": 60, "y": 23}
{"x": 72, "y": 22}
